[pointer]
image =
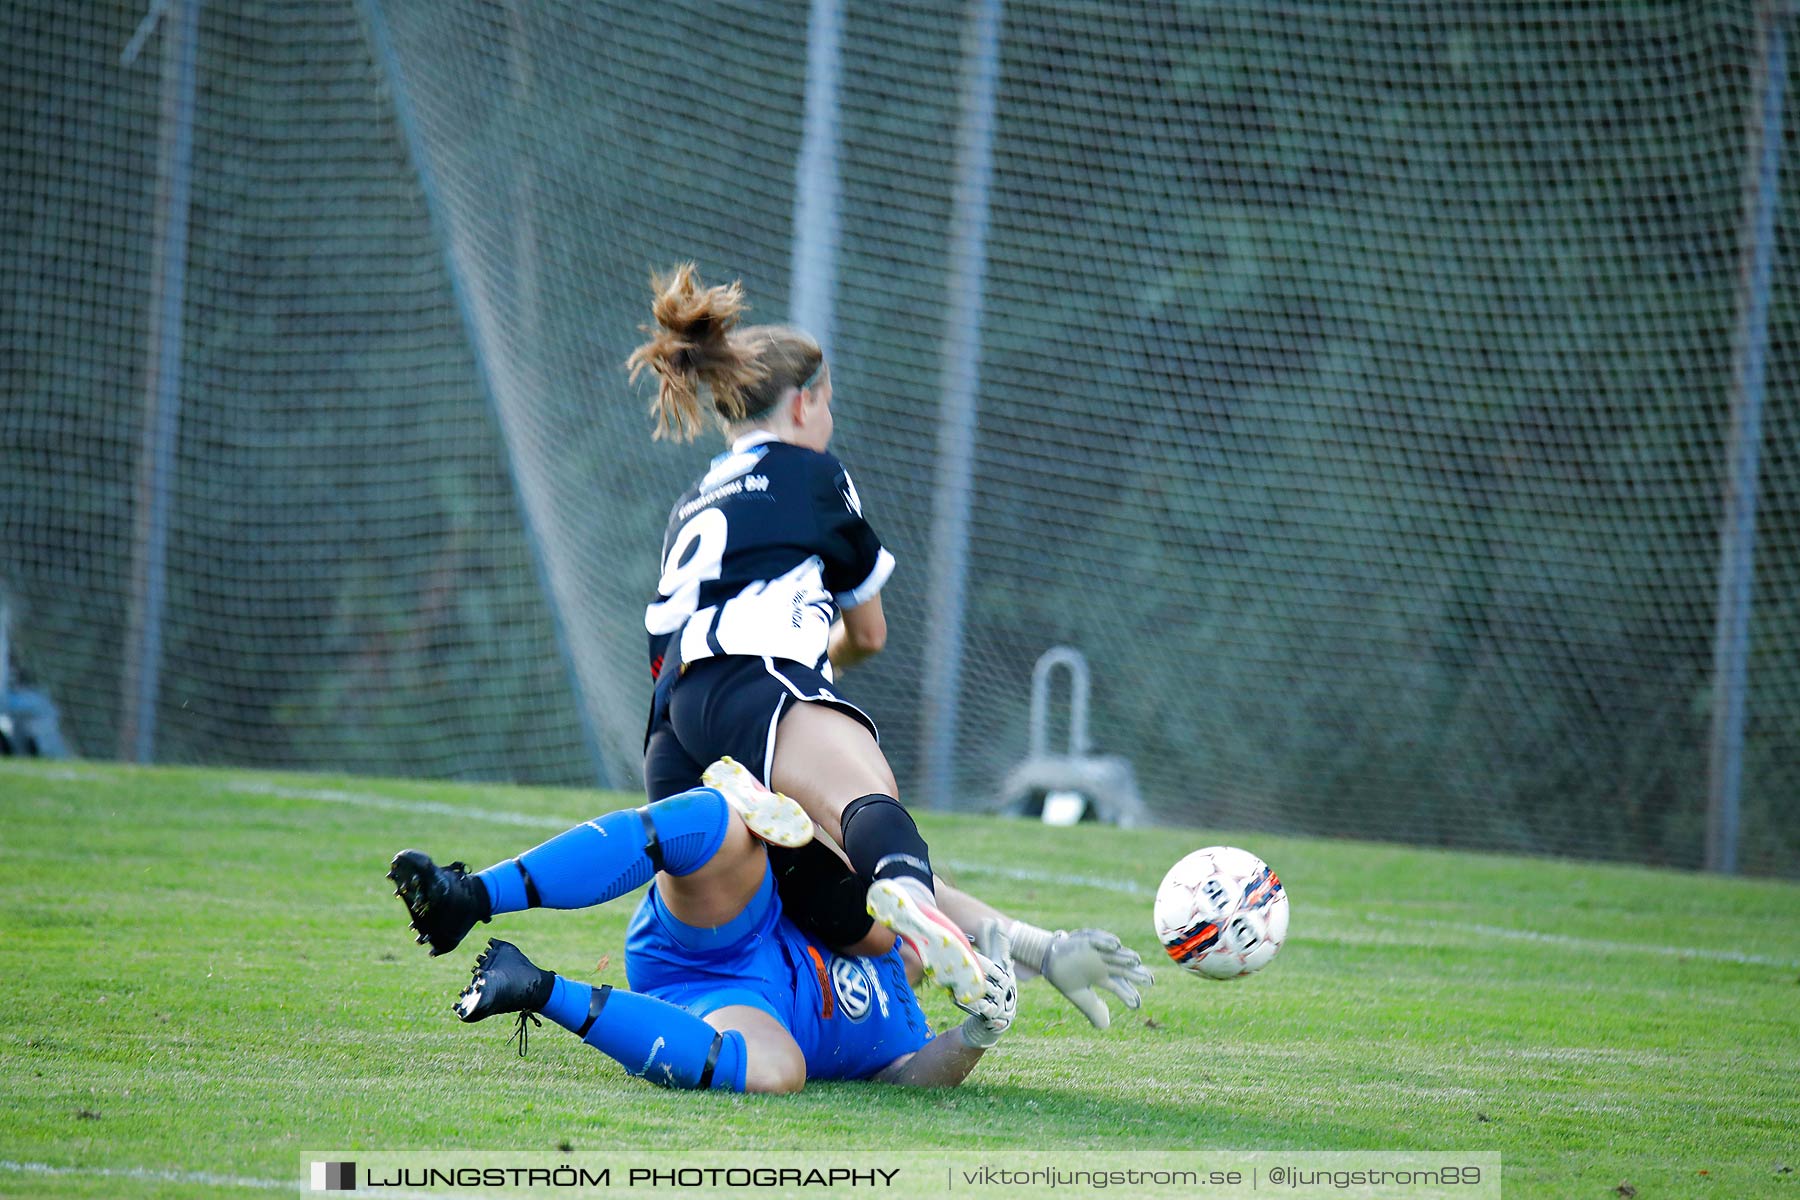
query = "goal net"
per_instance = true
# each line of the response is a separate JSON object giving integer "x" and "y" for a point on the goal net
{"x": 1356, "y": 387}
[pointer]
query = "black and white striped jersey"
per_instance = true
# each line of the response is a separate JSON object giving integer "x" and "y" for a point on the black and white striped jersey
{"x": 760, "y": 556}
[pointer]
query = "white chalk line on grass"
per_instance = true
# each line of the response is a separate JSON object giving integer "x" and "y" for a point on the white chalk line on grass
{"x": 431, "y": 808}
{"x": 55, "y": 773}
{"x": 1596, "y": 944}
{"x": 151, "y": 1175}
{"x": 1030, "y": 875}
{"x": 1123, "y": 887}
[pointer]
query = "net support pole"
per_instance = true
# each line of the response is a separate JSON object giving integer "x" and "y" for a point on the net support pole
{"x": 813, "y": 303}
{"x": 1737, "y": 539}
{"x": 387, "y": 64}
{"x": 162, "y": 373}
{"x": 953, "y": 495}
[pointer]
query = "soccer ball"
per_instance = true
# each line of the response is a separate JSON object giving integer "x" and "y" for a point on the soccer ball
{"x": 1221, "y": 912}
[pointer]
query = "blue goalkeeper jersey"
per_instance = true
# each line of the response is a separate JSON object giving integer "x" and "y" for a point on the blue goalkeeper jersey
{"x": 850, "y": 1016}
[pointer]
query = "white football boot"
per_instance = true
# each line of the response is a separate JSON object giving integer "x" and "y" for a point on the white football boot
{"x": 907, "y": 907}
{"x": 771, "y": 816}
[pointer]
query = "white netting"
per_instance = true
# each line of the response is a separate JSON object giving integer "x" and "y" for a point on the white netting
{"x": 347, "y": 586}
{"x": 1355, "y": 387}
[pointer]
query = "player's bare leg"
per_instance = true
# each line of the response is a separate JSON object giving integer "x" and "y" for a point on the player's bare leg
{"x": 773, "y": 1060}
{"x": 830, "y": 763}
{"x": 824, "y": 759}
{"x": 719, "y": 891}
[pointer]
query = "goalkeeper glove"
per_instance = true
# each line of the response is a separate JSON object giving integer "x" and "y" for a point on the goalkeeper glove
{"x": 1079, "y": 962}
{"x": 992, "y": 1014}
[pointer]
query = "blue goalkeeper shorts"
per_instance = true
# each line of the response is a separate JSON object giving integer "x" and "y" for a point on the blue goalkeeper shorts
{"x": 850, "y": 1016}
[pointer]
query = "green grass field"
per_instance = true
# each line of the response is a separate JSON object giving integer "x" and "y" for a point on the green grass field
{"x": 203, "y": 973}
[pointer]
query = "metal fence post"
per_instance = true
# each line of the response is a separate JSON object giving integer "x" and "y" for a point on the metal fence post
{"x": 1738, "y": 532}
{"x": 812, "y": 303}
{"x": 953, "y": 495}
{"x": 163, "y": 362}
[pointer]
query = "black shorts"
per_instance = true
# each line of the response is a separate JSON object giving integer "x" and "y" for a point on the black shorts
{"x": 730, "y": 705}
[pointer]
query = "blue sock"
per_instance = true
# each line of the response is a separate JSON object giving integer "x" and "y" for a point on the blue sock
{"x": 602, "y": 859}
{"x": 651, "y": 1038}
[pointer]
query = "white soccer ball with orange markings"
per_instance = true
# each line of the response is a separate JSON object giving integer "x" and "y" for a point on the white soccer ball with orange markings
{"x": 1221, "y": 913}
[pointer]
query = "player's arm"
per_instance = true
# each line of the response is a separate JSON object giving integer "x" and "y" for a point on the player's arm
{"x": 856, "y": 566}
{"x": 860, "y": 633}
{"x": 944, "y": 1061}
{"x": 1078, "y": 963}
{"x": 947, "y": 1059}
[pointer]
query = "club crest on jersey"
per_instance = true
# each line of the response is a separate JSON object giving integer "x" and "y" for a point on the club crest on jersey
{"x": 856, "y": 988}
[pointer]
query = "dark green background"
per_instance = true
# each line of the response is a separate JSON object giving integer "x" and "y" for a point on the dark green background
{"x": 1354, "y": 388}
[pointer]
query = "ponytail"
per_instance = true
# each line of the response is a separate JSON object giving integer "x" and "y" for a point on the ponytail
{"x": 696, "y": 341}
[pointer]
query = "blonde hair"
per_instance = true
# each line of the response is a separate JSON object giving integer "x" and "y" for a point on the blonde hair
{"x": 696, "y": 341}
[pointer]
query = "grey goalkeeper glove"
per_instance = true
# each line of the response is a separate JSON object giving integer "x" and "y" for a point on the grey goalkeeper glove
{"x": 992, "y": 1013}
{"x": 1079, "y": 962}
